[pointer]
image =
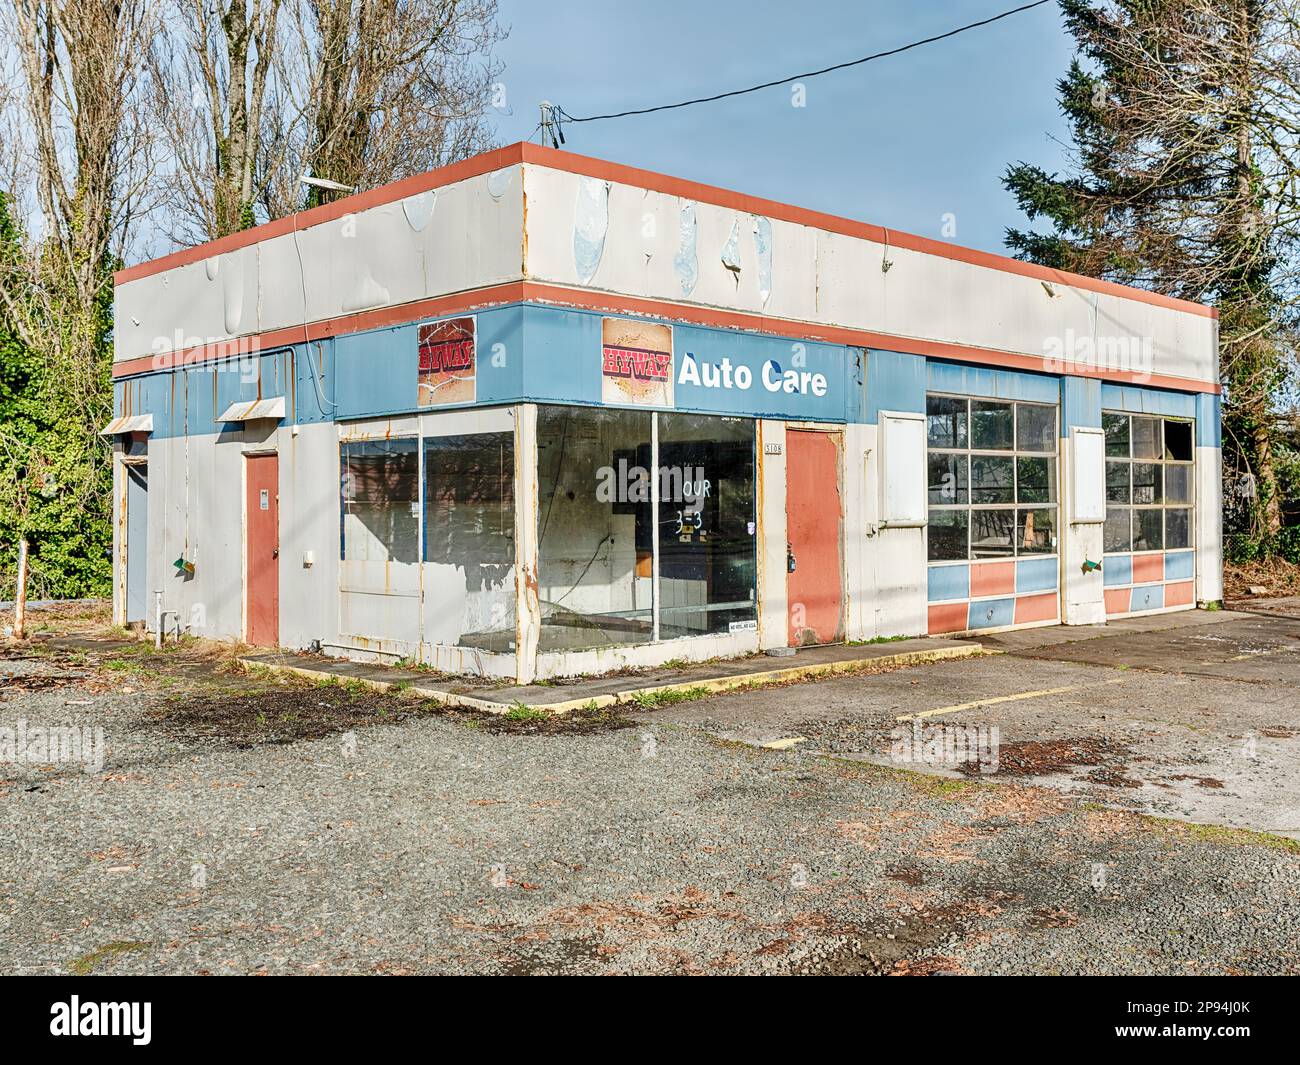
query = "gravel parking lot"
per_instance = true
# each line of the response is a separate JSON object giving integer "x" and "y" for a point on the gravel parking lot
{"x": 253, "y": 825}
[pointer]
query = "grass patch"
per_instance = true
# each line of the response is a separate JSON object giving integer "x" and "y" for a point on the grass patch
{"x": 1222, "y": 835}
{"x": 85, "y": 965}
{"x": 667, "y": 696}
{"x": 878, "y": 639}
{"x": 522, "y": 712}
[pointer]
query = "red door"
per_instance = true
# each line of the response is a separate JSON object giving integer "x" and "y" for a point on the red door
{"x": 813, "y": 514}
{"x": 262, "y": 550}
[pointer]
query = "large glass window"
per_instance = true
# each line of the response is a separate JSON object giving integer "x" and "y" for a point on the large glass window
{"x": 992, "y": 478}
{"x": 381, "y": 501}
{"x": 597, "y": 526}
{"x": 1148, "y": 483}
{"x": 469, "y": 527}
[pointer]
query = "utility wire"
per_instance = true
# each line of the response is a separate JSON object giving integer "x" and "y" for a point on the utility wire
{"x": 801, "y": 77}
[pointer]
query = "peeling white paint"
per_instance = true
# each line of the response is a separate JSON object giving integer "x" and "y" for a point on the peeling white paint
{"x": 498, "y": 182}
{"x": 419, "y": 209}
{"x": 232, "y": 291}
{"x": 686, "y": 264}
{"x": 731, "y": 251}
{"x": 763, "y": 249}
{"x": 590, "y": 224}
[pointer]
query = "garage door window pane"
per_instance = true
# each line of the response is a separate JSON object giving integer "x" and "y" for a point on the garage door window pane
{"x": 1178, "y": 484}
{"x": 992, "y": 533}
{"x": 1036, "y": 480}
{"x": 947, "y": 535}
{"x": 1036, "y": 532}
{"x": 1178, "y": 441}
{"x": 992, "y": 479}
{"x": 1118, "y": 489}
{"x": 947, "y": 478}
{"x": 1177, "y": 528}
{"x": 992, "y": 428}
{"x": 1035, "y": 428}
{"x": 1147, "y": 487}
{"x": 1148, "y": 530}
{"x": 1116, "y": 429}
{"x": 1117, "y": 535}
{"x": 1146, "y": 438}
{"x": 945, "y": 421}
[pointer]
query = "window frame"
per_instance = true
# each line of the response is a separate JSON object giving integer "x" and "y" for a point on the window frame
{"x": 1015, "y": 455}
{"x": 1162, "y": 463}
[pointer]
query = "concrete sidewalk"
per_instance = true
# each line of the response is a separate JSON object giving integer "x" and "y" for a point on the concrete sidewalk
{"x": 645, "y": 688}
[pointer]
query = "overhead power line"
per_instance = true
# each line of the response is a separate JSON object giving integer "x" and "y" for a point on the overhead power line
{"x": 561, "y": 115}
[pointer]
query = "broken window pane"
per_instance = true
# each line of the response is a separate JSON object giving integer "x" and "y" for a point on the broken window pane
{"x": 381, "y": 501}
{"x": 1178, "y": 441}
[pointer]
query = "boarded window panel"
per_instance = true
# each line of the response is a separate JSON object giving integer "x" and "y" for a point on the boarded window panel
{"x": 1089, "y": 479}
{"x": 949, "y": 535}
{"x": 904, "y": 469}
{"x": 1117, "y": 535}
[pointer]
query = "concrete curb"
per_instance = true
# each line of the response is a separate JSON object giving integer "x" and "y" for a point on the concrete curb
{"x": 756, "y": 679}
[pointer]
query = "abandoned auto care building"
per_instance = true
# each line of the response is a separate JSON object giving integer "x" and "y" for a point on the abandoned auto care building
{"x": 538, "y": 415}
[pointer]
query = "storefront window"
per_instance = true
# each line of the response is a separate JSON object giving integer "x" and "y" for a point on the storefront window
{"x": 992, "y": 487}
{"x": 597, "y": 526}
{"x": 381, "y": 501}
{"x": 1149, "y": 486}
{"x": 469, "y": 527}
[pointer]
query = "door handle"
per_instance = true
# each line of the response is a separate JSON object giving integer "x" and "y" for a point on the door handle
{"x": 275, "y": 552}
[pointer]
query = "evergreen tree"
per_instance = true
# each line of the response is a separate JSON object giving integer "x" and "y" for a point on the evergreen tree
{"x": 1182, "y": 181}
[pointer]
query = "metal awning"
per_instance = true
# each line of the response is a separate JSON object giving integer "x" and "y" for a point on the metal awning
{"x": 252, "y": 409}
{"x": 129, "y": 423}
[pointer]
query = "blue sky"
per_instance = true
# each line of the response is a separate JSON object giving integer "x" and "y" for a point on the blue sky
{"x": 900, "y": 142}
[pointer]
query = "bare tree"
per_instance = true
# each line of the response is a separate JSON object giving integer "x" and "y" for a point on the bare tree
{"x": 213, "y": 70}
{"x": 398, "y": 86}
